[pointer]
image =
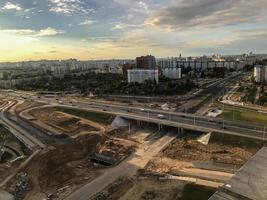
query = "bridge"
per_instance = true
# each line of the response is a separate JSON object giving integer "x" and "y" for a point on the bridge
{"x": 173, "y": 119}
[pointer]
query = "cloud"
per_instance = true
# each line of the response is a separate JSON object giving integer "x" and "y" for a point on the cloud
{"x": 69, "y": 7}
{"x": 29, "y": 32}
{"x": 143, "y": 6}
{"x": 208, "y": 13}
{"x": 18, "y": 31}
{"x": 54, "y": 51}
{"x": 121, "y": 25}
{"x": 255, "y": 33}
{"x": 101, "y": 39}
{"x": 11, "y": 6}
{"x": 87, "y": 22}
{"x": 49, "y": 32}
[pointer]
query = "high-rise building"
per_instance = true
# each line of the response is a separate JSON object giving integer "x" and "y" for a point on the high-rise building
{"x": 146, "y": 62}
{"x": 260, "y": 73}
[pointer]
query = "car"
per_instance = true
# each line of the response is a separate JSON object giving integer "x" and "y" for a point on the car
{"x": 160, "y": 116}
{"x": 128, "y": 111}
{"x": 142, "y": 109}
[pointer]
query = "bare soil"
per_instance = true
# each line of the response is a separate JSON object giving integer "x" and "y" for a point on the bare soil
{"x": 191, "y": 150}
{"x": 62, "y": 122}
{"x": 68, "y": 166}
{"x": 26, "y": 105}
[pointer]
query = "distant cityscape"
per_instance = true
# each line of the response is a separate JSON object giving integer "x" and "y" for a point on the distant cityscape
{"x": 139, "y": 70}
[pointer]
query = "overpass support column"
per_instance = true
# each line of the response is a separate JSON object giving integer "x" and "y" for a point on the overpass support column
{"x": 160, "y": 127}
{"x": 180, "y": 132}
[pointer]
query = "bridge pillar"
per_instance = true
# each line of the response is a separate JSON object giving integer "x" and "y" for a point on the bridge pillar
{"x": 138, "y": 123}
{"x": 159, "y": 126}
{"x": 180, "y": 131}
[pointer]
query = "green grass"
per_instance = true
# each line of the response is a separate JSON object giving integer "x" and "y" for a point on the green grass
{"x": 196, "y": 192}
{"x": 99, "y": 117}
{"x": 251, "y": 94}
{"x": 246, "y": 116}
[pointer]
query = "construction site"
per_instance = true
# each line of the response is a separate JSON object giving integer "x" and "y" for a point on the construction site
{"x": 186, "y": 168}
{"x": 12, "y": 153}
{"x": 116, "y": 158}
{"x": 62, "y": 167}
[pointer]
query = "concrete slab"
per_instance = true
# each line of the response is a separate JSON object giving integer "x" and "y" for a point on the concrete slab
{"x": 249, "y": 183}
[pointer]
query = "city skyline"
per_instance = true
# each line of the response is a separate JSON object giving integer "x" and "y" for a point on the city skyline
{"x": 98, "y": 29}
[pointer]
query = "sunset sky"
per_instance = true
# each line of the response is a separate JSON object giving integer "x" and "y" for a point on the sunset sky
{"x": 103, "y": 29}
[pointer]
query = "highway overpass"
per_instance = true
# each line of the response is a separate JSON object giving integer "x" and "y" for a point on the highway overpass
{"x": 173, "y": 119}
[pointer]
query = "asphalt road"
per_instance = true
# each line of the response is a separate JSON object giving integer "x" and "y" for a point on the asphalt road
{"x": 183, "y": 120}
{"x": 24, "y": 136}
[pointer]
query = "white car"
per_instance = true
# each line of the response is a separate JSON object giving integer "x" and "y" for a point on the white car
{"x": 142, "y": 109}
{"x": 160, "y": 116}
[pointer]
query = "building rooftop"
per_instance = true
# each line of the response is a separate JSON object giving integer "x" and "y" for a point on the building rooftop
{"x": 249, "y": 183}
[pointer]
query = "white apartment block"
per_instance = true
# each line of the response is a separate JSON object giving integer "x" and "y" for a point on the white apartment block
{"x": 172, "y": 72}
{"x": 260, "y": 73}
{"x": 140, "y": 75}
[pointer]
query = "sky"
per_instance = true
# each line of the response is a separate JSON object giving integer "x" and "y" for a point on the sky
{"x": 105, "y": 29}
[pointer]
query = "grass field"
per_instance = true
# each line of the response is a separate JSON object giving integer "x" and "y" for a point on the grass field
{"x": 99, "y": 117}
{"x": 251, "y": 94}
{"x": 252, "y": 117}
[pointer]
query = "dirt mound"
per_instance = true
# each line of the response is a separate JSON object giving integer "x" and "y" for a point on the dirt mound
{"x": 56, "y": 168}
{"x": 61, "y": 122}
{"x": 194, "y": 151}
{"x": 115, "y": 149}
